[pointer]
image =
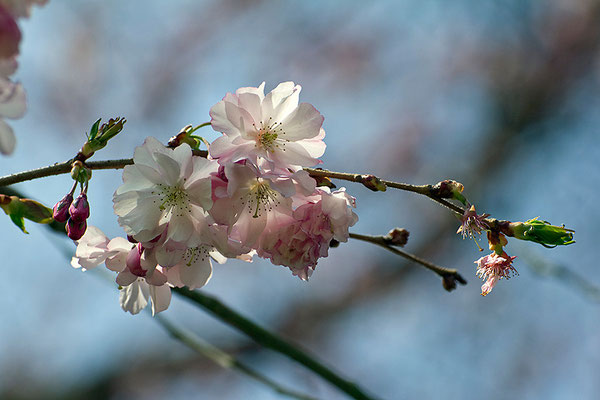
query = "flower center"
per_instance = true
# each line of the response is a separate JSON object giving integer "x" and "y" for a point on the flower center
{"x": 192, "y": 255}
{"x": 267, "y": 135}
{"x": 261, "y": 198}
{"x": 173, "y": 197}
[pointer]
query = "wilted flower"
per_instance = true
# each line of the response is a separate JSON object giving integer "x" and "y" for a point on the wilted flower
{"x": 472, "y": 224}
{"x": 493, "y": 268}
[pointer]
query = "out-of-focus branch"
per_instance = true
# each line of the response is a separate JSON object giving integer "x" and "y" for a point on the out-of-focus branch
{"x": 224, "y": 359}
{"x": 271, "y": 341}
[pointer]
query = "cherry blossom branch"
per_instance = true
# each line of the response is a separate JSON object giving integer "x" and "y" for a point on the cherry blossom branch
{"x": 449, "y": 276}
{"x": 271, "y": 341}
{"x": 430, "y": 191}
{"x": 372, "y": 182}
{"x": 224, "y": 359}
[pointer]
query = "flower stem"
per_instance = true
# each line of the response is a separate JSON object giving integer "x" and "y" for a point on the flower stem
{"x": 381, "y": 241}
{"x": 224, "y": 359}
{"x": 272, "y": 341}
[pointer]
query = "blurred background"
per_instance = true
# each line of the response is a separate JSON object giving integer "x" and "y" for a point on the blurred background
{"x": 501, "y": 96}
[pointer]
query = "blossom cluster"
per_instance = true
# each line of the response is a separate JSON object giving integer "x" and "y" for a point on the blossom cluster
{"x": 250, "y": 196}
{"x": 12, "y": 95}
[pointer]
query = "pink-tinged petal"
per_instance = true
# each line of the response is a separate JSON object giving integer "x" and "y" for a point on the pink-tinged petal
{"x": 12, "y": 99}
{"x": 259, "y": 91}
{"x": 157, "y": 278}
{"x": 197, "y": 274}
{"x": 161, "y": 298}
{"x": 125, "y": 278}
{"x": 252, "y": 104}
{"x": 169, "y": 168}
{"x": 200, "y": 192}
{"x": 134, "y": 297}
{"x": 180, "y": 228}
{"x": 314, "y": 146}
{"x": 304, "y": 123}
{"x": 7, "y": 138}
{"x": 489, "y": 284}
{"x": 168, "y": 257}
{"x": 220, "y": 121}
{"x": 294, "y": 154}
{"x": 248, "y": 229}
{"x": 182, "y": 154}
{"x": 121, "y": 247}
{"x": 134, "y": 179}
{"x": 281, "y": 101}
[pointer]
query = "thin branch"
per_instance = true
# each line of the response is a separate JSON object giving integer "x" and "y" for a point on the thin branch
{"x": 224, "y": 359}
{"x": 425, "y": 190}
{"x": 445, "y": 273}
{"x": 65, "y": 167}
{"x": 272, "y": 341}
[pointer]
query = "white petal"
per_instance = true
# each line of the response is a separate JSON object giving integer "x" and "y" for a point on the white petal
{"x": 7, "y": 138}
{"x": 197, "y": 274}
{"x": 134, "y": 298}
{"x": 304, "y": 123}
{"x": 161, "y": 298}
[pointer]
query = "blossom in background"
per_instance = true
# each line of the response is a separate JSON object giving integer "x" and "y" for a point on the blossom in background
{"x": 274, "y": 127}
{"x": 21, "y": 8}
{"x": 165, "y": 190}
{"x": 12, "y": 95}
{"x": 12, "y": 106}
{"x": 492, "y": 268}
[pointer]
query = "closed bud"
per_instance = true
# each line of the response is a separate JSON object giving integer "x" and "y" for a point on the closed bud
{"x": 374, "y": 183}
{"x": 75, "y": 230}
{"x": 60, "y": 212}
{"x": 80, "y": 208}
{"x": 450, "y": 189}
{"x": 397, "y": 237}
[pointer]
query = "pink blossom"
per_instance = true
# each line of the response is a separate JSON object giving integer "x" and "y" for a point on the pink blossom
{"x": 300, "y": 241}
{"x": 493, "y": 268}
{"x": 21, "y": 8}
{"x": 274, "y": 127}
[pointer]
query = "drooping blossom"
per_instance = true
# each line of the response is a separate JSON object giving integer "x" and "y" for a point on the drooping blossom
{"x": 492, "y": 268}
{"x": 274, "y": 127}
{"x": 139, "y": 280}
{"x": 164, "y": 190}
{"x": 298, "y": 242}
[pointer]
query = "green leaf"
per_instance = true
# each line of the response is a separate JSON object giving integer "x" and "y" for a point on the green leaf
{"x": 19, "y": 209}
{"x": 94, "y": 130}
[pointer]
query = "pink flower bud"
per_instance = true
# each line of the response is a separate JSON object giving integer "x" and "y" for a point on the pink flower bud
{"x": 60, "y": 212}
{"x": 75, "y": 229}
{"x": 80, "y": 208}
{"x": 134, "y": 260}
